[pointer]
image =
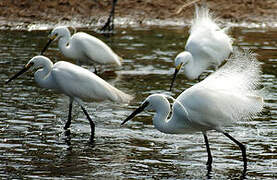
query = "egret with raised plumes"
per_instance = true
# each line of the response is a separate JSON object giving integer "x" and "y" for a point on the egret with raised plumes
{"x": 207, "y": 46}
{"x": 228, "y": 95}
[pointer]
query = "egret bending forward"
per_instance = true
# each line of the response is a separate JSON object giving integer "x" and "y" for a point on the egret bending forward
{"x": 207, "y": 46}
{"x": 82, "y": 47}
{"x": 225, "y": 96}
{"x": 74, "y": 81}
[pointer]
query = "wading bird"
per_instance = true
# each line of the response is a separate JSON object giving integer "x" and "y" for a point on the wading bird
{"x": 227, "y": 95}
{"x": 77, "y": 83}
{"x": 207, "y": 46}
{"x": 82, "y": 47}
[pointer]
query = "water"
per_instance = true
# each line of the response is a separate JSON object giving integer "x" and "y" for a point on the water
{"x": 32, "y": 140}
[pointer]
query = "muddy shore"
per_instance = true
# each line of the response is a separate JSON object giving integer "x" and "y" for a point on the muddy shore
{"x": 96, "y": 11}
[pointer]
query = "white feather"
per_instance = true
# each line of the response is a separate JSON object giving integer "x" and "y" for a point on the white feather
{"x": 207, "y": 45}
{"x": 227, "y": 95}
{"x": 84, "y": 47}
{"x": 75, "y": 81}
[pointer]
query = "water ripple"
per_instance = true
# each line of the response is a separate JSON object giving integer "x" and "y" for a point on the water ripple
{"x": 33, "y": 144}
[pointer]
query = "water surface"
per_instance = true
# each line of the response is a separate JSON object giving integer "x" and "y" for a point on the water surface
{"x": 32, "y": 140}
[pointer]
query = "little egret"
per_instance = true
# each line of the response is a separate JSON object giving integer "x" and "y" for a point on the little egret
{"x": 82, "y": 47}
{"x": 227, "y": 95}
{"x": 207, "y": 46}
{"x": 74, "y": 81}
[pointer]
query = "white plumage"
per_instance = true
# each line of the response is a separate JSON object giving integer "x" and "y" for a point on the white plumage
{"x": 83, "y": 47}
{"x": 207, "y": 46}
{"x": 74, "y": 81}
{"x": 80, "y": 83}
{"x": 208, "y": 39}
{"x": 227, "y": 95}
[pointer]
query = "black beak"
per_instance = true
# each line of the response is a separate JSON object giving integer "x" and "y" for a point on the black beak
{"x": 173, "y": 79}
{"x": 46, "y": 46}
{"x": 137, "y": 111}
{"x": 19, "y": 73}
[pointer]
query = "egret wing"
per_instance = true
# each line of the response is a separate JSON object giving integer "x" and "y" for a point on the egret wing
{"x": 207, "y": 41}
{"x": 214, "y": 108}
{"x": 80, "y": 83}
{"x": 95, "y": 49}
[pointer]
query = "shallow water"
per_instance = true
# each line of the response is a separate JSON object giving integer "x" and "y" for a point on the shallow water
{"x": 32, "y": 140}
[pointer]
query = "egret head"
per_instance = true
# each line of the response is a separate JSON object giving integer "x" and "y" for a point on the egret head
{"x": 35, "y": 62}
{"x": 38, "y": 61}
{"x": 56, "y": 33}
{"x": 59, "y": 32}
{"x": 152, "y": 102}
{"x": 181, "y": 59}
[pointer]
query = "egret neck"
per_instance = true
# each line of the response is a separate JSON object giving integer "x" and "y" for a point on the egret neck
{"x": 64, "y": 44}
{"x": 43, "y": 76}
{"x": 194, "y": 66}
{"x": 165, "y": 124}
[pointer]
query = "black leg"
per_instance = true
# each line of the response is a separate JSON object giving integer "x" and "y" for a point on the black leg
{"x": 92, "y": 125}
{"x": 113, "y": 9}
{"x": 243, "y": 150}
{"x": 109, "y": 25}
{"x": 68, "y": 139}
{"x": 210, "y": 159}
{"x": 67, "y": 124}
{"x": 95, "y": 70}
{"x": 199, "y": 78}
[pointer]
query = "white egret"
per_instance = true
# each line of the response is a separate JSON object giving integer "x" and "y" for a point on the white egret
{"x": 74, "y": 81}
{"x": 207, "y": 46}
{"x": 227, "y": 95}
{"x": 82, "y": 47}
